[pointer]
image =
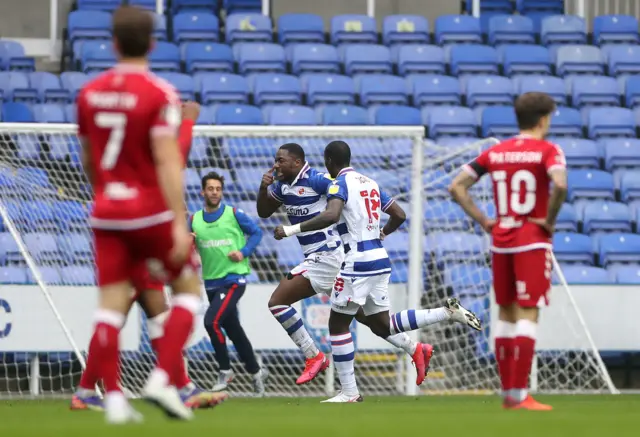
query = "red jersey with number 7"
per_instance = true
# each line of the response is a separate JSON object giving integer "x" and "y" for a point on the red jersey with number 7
{"x": 119, "y": 113}
{"x": 519, "y": 168}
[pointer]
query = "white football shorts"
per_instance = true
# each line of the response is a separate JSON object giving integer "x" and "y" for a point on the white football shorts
{"x": 369, "y": 292}
{"x": 321, "y": 269}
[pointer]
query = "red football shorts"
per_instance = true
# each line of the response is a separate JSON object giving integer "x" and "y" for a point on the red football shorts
{"x": 523, "y": 277}
{"x": 142, "y": 281}
{"x": 141, "y": 256}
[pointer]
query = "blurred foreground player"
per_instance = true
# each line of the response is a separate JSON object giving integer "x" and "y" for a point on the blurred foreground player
{"x": 149, "y": 294}
{"x": 128, "y": 121}
{"x": 521, "y": 169}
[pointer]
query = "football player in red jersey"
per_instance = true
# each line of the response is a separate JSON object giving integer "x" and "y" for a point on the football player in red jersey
{"x": 128, "y": 121}
{"x": 521, "y": 169}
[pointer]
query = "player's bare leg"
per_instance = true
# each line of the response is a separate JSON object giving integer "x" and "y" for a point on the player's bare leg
{"x": 293, "y": 289}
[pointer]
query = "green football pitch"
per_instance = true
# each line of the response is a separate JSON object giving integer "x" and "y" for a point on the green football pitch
{"x": 478, "y": 416}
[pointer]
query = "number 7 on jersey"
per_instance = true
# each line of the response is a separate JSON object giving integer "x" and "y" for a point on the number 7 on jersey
{"x": 116, "y": 123}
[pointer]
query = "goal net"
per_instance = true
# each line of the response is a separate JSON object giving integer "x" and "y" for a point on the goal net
{"x": 47, "y": 281}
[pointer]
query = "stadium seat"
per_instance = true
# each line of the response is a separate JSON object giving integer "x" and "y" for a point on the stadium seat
{"x": 611, "y": 122}
{"x": 191, "y": 181}
{"x": 96, "y": 56}
{"x": 49, "y": 275}
{"x": 381, "y": 89}
{"x": 160, "y": 27}
{"x": 628, "y": 275}
{"x": 248, "y": 28}
{"x": 579, "y": 152}
{"x": 314, "y": 58}
{"x": 594, "y": 90}
{"x": 435, "y": 90}
{"x": 9, "y": 246}
{"x": 15, "y": 86}
{"x": 405, "y": 29}
{"x": 590, "y": 184}
{"x": 13, "y": 275}
{"x": 397, "y": 246}
{"x": 292, "y": 115}
{"x": 396, "y": 115}
{"x": 615, "y": 29}
{"x": 367, "y": 58}
{"x": 16, "y": 113}
{"x": 451, "y": 247}
{"x": 72, "y": 81}
{"x": 619, "y": 248}
{"x": 586, "y": 275}
{"x": 183, "y": 83}
{"x": 204, "y": 56}
{"x": 353, "y": 29}
{"x": 489, "y": 90}
{"x": 223, "y": 88}
{"x": 71, "y": 215}
{"x": 524, "y": 59}
{"x": 165, "y": 57}
{"x": 499, "y": 121}
{"x": 623, "y": 59}
{"x": 273, "y": 88}
{"x": 329, "y": 88}
{"x": 451, "y": 29}
{"x": 38, "y": 216}
{"x": 467, "y": 276}
{"x": 553, "y": 86}
{"x": 473, "y": 59}
{"x": 149, "y": 4}
{"x": 238, "y": 114}
{"x": 452, "y": 120}
{"x": 511, "y": 29}
{"x": 630, "y": 186}
{"x": 12, "y": 57}
{"x": 566, "y": 122}
{"x": 289, "y": 254}
{"x": 606, "y": 216}
{"x": 621, "y": 153}
{"x": 191, "y": 5}
{"x": 78, "y": 275}
{"x": 579, "y": 59}
{"x": 88, "y": 25}
{"x": 195, "y": 26}
{"x": 444, "y": 215}
{"x": 48, "y": 113}
{"x": 420, "y": 59}
{"x": 632, "y": 91}
{"x": 567, "y": 220}
{"x": 28, "y": 146}
{"x": 43, "y": 247}
{"x": 343, "y": 115}
{"x": 70, "y": 112}
{"x": 563, "y": 29}
{"x": 48, "y": 87}
{"x": 261, "y": 57}
{"x": 300, "y": 28}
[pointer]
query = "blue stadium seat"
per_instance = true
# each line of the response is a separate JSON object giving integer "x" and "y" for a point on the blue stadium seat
{"x": 444, "y": 215}
{"x": 381, "y": 89}
{"x": 343, "y": 115}
{"x": 468, "y": 276}
{"x": 615, "y": 29}
{"x": 630, "y": 186}
{"x": 586, "y": 275}
{"x": 396, "y": 115}
{"x": 452, "y": 120}
{"x": 149, "y": 5}
{"x": 248, "y": 28}
{"x": 632, "y": 91}
{"x": 489, "y": 90}
{"x": 566, "y": 122}
{"x": 240, "y": 6}
{"x": 12, "y": 57}
{"x": 314, "y": 58}
{"x": 420, "y": 59}
{"x": 89, "y": 25}
{"x": 628, "y": 275}
{"x": 160, "y": 27}
{"x": 43, "y": 247}
{"x": 238, "y": 114}
{"x": 511, "y": 29}
{"x": 606, "y": 216}
{"x": 223, "y": 87}
{"x": 524, "y": 59}
{"x": 300, "y": 28}
{"x": 72, "y": 81}
{"x": 595, "y": 90}
{"x": 71, "y": 215}
{"x": 70, "y": 113}
{"x": 579, "y": 152}
{"x": 367, "y": 58}
{"x": 13, "y": 275}
{"x": 190, "y": 5}
{"x": 60, "y": 147}
{"x": 435, "y": 90}
{"x": 28, "y": 146}
{"x": 48, "y": 113}
{"x": 207, "y": 115}
{"x": 76, "y": 247}
{"x": 204, "y": 56}
{"x": 11, "y": 251}
{"x": 261, "y": 57}
{"x": 623, "y": 59}
{"x": 579, "y": 59}
{"x": 15, "y": 86}
{"x": 98, "y": 5}
{"x": 451, "y": 247}
{"x": 50, "y": 275}
{"x": 567, "y": 220}
{"x": 621, "y": 153}
{"x": 499, "y": 121}
{"x": 292, "y": 115}
{"x": 165, "y": 57}
{"x": 473, "y": 59}
{"x": 329, "y": 88}
{"x": 619, "y": 248}
{"x": 276, "y": 88}
{"x": 611, "y": 122}
{"x": 405, "y": 29}
{"x": 563, "y": 29}
{"x": 289, "y": 254}
{"x": 451, "y": 29}
{"x": 35, "y": 176}
{"x": 195, "y": 26}
{"x": 78, "y": 275}
{"x": 553, "y": 86}
{"x": 397, "y": 246}
{"x": 48, "y": 87}
{"x": 96, "y": 56}
{"x": 183, "y": 83}
{"x": 191, "y": 181}
{"x": 353, "y": 29}
{"x": 38, "y": 216}
{"x": 590, "y": 184}
{"x": 16, "y": 113}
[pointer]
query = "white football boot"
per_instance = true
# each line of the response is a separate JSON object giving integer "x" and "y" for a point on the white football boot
{"x": 461, "y": 315}
{"x": 166, "y": 397}
{"x": 224, "y": 378}
{"x": 342, "y": 398}
{"x": 118, "y": 411}
{"x": 258, "y": 382}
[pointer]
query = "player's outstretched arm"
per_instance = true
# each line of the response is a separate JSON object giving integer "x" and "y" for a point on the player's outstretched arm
{"x": 459, "y": 190}
{"x": 397, "y": 217}
{"x": 268, "y": 198}
{"x": 326, "y": 218}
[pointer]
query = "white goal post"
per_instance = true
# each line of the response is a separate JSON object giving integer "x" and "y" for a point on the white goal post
{"x": 48, "y": 294}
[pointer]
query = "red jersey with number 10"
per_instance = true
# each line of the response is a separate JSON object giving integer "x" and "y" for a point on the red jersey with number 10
{"x": 519, "y": 168}
{"x": 118, "y": 113}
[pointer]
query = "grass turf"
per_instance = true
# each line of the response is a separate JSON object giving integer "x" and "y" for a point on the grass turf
{"x": 477, "y": 416}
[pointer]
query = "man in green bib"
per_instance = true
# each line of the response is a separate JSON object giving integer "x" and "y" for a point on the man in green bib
{"x": 225, "y": 237}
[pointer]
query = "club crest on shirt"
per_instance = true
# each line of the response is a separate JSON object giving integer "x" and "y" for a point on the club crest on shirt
{"x": 333, "y": 189}
{"x": 363, "y": 180}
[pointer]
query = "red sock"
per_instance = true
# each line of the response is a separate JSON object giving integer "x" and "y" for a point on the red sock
{"x": 505, "y": 342}
{"x": 183, "y": 376}
{"x": 108, "y": 355}
{"x": 89, "y": 377}
{"x": 524, "y": 351}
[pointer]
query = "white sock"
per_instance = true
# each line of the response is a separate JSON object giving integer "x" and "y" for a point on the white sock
{"x": 403, "y": 341}
{"x": 85, "y": 392}
{"x": 115, "y": 400}
{"x": 343, "y": 352}
{"x": 188, "y": 388}
{"x": 290, "y": 320}
{"x": 155, "y": 325}
{"x": 410, "y": 320}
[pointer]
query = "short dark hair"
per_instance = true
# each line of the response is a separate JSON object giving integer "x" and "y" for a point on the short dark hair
{"x": 133, "y": 30}
{"x": 531, "y": 107}
{"x": 212, "y": 176}
{"x": 339, "y": 152}
{"x": 294, "y": 149}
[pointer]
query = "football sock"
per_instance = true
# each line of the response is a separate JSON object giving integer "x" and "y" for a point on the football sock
{"x": 176, "y": 333}
{"x": 524, "y": 351}
{"x": 505, "y": 341}
{"x": 91, "y": 374}
{"x": 410, "y": 320}
{"x": 403, "y": 341}
{"x": 155, "y": 329}
{"x": 107, "y": 331}
{"x": 343, "y": 352}
{"x": 290, "y": 320}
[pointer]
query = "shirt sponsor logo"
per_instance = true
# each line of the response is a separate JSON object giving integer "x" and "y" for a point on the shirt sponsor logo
{"x": 209, "y": 244}
{"x": 298, "y": 212}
